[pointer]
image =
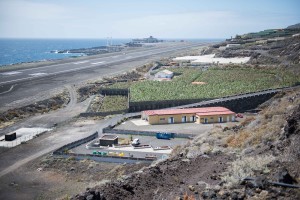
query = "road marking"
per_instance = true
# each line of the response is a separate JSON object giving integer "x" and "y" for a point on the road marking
{"x": 96, "y": 63}
{"x": 10, "y": 73}
{"x": 38, "y": 74}
{"x": 77, "y": 63}
{"x": 10, "y": 89}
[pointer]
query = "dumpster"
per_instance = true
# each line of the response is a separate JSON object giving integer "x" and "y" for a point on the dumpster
{"x": 165, "y": 136}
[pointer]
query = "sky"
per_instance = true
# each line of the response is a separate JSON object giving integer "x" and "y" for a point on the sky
{"x": 142, "y": 18}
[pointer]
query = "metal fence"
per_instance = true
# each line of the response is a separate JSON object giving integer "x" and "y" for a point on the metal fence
{"x": 93, "y": 114}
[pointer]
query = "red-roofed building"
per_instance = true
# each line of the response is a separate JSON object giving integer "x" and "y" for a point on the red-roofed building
{"x": 198, "y": 115}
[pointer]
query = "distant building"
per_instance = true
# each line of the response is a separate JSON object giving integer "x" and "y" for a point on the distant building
{"x": 150, "y": 39}
{"x": 199, "y": 115}
{"x": 232, "y": 45}
{"x": 164, "y": 74}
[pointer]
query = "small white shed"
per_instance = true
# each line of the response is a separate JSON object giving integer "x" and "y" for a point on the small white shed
{"x": 164, "y": 74}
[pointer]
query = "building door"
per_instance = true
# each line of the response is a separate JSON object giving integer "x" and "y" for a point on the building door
{"x": 232, "y": 118}
{"x": 228, "y": 118}
{"x": 183, "y": 119}
{"x": 171, "y": 120}
{"x": 220, "y": 119}
{"x": 192, "y": 118}
{"x": 205, "y": 121}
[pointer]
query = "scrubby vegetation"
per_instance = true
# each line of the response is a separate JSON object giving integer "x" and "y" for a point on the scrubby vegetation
{"x": 113, "y": 103}
{"x": 219, "y": 82}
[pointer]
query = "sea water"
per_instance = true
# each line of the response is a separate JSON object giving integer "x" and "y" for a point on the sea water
{"x": 13, "y": 51}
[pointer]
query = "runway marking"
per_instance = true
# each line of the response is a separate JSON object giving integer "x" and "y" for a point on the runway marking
{"x": 79, "y": 68}
{"x": 10, "y": 89}
{"x": 38, "y": 74}
{"x": 10, "y": 73}
{"x": 77, "y": 63}
{"x": 96, "y": 63}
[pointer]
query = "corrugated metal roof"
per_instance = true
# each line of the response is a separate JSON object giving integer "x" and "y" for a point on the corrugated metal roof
{"x": 199, "y": 111}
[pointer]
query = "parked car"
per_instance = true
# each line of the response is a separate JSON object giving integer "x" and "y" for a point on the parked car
{"x": 136, "y": 142}
{"x": 239, "y": 115}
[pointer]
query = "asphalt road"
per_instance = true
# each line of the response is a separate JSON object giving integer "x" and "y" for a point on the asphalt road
{"x": 29, "y": 74}
{"x": 24, "y": 86}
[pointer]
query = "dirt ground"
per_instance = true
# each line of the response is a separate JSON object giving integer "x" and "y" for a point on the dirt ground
{"x": 56, "y": 178}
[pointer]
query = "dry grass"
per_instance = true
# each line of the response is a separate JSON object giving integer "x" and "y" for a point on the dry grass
{"x": 188, "y": 197}
{"x": 245, "y": 167}
{"x": 266, "y": 127}
{"x": 237, "y": 140}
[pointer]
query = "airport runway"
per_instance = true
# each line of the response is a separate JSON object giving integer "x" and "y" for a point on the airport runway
{"x": 25, "y": 83}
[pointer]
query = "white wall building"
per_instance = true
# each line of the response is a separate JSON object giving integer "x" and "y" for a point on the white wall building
{"x": 164, "y": 74}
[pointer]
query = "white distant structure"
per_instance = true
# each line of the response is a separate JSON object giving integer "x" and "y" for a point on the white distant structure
{"x": 164, "y": 74}
{"x": 21, "y": 135}
{"x": 208, "y": 59}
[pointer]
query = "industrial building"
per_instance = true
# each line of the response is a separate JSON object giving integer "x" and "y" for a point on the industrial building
{"x": 198, "y": 115}
{"x": 108, "y": 140}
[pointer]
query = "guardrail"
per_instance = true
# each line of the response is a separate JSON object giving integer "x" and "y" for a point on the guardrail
{"x": 65, "y": 148}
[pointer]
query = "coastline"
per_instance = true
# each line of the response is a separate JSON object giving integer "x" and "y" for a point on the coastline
{"x": 34, "y": 64}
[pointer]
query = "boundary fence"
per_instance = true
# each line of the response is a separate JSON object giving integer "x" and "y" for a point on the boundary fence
{"x": 94, "y": 114}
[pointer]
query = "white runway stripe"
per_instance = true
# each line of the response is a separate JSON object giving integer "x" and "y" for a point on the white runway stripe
{"x": 77, "y": 63}
{"x": 10, "y": 73}
{"x": 38, "y": 74}
{"x": 96, "y": 63}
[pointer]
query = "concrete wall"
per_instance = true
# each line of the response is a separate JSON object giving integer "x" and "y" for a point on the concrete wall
{"x": 145, "y": 133}
{"x": 153, "y": 105}
{"x": 236, "y": 103}
{"x": 94, "y": 114}
{"x": 108, "y": 91}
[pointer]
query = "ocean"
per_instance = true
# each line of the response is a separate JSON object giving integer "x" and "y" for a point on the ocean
{"x": 13, "y": 51}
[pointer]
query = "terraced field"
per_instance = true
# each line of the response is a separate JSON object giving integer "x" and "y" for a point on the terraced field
{"x": 215, "y": 83}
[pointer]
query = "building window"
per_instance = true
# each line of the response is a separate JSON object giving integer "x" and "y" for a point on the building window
{"x": 162, "y": 119}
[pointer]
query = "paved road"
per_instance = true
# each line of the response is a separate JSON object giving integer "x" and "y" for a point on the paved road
{"x": 33, "y": 73}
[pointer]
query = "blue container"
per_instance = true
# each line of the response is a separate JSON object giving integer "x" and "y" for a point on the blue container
{"x": 165, "y": 136}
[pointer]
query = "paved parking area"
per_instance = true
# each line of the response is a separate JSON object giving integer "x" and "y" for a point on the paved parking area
{"x": 140, "y": 153}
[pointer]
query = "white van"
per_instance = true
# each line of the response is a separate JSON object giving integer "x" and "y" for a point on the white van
{"x": 135, "y": 142}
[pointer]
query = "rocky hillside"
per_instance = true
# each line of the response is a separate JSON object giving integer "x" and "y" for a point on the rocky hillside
{"x": 282, "y": 52}
{"x": 258, "y": 159}
{"x": 295, "y": 26}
